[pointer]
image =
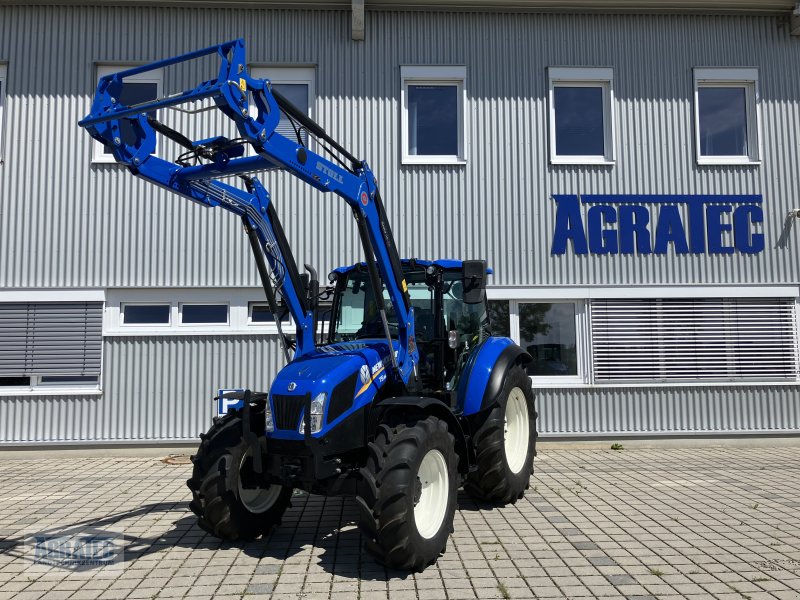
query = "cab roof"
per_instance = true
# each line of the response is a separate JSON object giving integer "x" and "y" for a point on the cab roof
{"x": 448, "y": 264}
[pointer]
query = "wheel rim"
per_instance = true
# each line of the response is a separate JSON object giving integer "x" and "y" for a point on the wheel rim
{"x": 430, "y": 508}
{"x": 256, "y": 500}
{"x": 516, "y": 430}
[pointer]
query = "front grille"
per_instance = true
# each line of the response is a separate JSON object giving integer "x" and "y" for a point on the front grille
{"x": 287, "y": 411}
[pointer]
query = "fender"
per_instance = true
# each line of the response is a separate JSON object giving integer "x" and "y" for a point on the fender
{"x": 485, "y": 373}
{"x": 436, "y": 408}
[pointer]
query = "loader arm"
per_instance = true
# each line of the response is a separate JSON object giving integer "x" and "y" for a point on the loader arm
{"x": 217, "y": 158}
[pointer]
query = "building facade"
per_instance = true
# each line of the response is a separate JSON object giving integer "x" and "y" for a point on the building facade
{"x": 629, "y": 174}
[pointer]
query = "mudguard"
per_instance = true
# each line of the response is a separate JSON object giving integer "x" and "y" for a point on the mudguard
{"x": 485, "y": 373}
{"x": 437, "y": 408}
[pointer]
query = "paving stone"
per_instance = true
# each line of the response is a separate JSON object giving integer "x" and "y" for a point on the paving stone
{"x": 687, "y": 515}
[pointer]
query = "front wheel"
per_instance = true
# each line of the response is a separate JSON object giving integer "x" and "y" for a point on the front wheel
{"x": 408, "y": 497}
{"x": 505, "y": 443}
{"x": 226, "y": 496}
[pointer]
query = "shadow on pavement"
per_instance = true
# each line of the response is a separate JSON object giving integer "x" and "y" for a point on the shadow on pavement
{"x": 325, "y": 526}
{"x": 313, "y": 522}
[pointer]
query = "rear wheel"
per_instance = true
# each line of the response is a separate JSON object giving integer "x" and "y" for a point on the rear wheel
{"x": 505, "y": 443}
{"x": 408, "y": 496}
{"x": 226, "y": 495}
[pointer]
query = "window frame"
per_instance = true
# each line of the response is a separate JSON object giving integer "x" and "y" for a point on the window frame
{"x": 583, "y": 296}
{"x": 237, "y": 299}
{"x": 3, "y": 95}
{"x": 289, "y": 74}
{"x": 39, "y": 388}
{"x": 122, "y": 322}
{"x": 602, "y": 77}
{"x": 107, "y": 68}
{"x": 266, "y": 324}
{"x": 720, "y": 329}
{"x": 582, "y": 350}
{"x": 455, "y": 75}
{"x": 37, "y": 383}
{"x": 227, "y": 306}
{"x": 730, "y": 77}
{"x": 36, "y": 387}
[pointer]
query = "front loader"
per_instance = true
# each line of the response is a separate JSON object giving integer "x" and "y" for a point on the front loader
{"x": 405, "y": 397}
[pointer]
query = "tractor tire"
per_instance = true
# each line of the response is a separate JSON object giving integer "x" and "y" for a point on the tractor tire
{"x": 505, "y": 444}
{"x": 408, "y": 496}
{"x": 226, "y": 509}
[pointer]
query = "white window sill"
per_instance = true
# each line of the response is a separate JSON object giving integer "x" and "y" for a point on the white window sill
{"x": 728, "y": 160}
{"x": 550, "y": 384}
{"x": 51, "y": 391}
{"x": 433, "y": 160}
{"x": 195, "y": 332}
{"x": 568, "y": 381}
{"x": 105, "y": 161}
{"x": 582, "y": 160}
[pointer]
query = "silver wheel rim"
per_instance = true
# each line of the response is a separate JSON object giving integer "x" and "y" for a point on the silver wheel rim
{"x": 430, "y": 509}
{"x": 515, "y": 432}
{"x": 256, "y": 500}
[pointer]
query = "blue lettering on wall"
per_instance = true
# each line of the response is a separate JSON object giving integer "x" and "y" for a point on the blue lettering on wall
{"x": 569, "y": 226}
{"x": 628, "y": 223}
{"x": 670, "y": 229}
{"x": 602, "y": 241}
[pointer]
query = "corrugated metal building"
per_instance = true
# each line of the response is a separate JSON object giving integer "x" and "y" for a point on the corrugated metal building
{"x": 628, "y": 169}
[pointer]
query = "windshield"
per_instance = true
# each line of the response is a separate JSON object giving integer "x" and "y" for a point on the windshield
{"x": 357, "y": 314}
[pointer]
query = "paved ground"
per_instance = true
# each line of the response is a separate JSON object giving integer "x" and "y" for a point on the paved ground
{"x": 667, "y": 523}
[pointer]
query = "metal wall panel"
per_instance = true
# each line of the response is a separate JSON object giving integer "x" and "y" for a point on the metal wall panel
{"x": 669, "y": 410}
{"x": 154, "y": 388}
{"x": 68, "y": 223}
{"x": 160, "y": 389}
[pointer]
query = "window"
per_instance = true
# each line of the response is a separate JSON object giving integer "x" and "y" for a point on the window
{"x": 3, "y": 71}
{"x": 296, "y": 84}
{"x": 207, "y": 314}
{"x": 145, "y": 314}
{"x": 547, "y": 333}
{"x": 260, "y": 313}
{"x": 61, "y": 380}
{"x": 581, "y": 102}
{"x": 700, "y": 340}
{"x": 135, "y": 89}
{"x": 432, "y": 114}
{"x": 552, "y": 329}
{"x": 726, "y": 116}
{"x": 50, "y": 343}
{"x": 185, "y": 311}
{"x": 499, "y": 317}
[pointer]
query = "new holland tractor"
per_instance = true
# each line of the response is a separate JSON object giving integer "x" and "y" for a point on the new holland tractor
{"x": 406, "y": 397}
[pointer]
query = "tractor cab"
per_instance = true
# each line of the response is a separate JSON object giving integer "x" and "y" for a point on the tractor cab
{"x": 450, "y": 315}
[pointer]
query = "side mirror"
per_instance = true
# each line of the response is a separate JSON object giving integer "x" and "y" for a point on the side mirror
{"x": 474, "y": 281}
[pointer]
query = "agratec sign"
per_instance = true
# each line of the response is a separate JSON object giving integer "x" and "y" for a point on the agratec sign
{"x": 624, "y": 223}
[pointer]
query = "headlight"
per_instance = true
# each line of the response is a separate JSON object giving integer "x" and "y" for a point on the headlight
{"x": 269, "y": 424}
{"x": 317, "y": 411}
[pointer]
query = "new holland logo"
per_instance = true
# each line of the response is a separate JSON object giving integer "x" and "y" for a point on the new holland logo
{"x": 291, "y": 387}
{"x": 364, "y": 374}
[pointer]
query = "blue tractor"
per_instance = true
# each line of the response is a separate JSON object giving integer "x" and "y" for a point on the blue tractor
{"x": 405, "y": 397}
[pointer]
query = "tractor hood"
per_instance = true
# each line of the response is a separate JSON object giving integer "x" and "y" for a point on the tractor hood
{"x": 349, "y": 373}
